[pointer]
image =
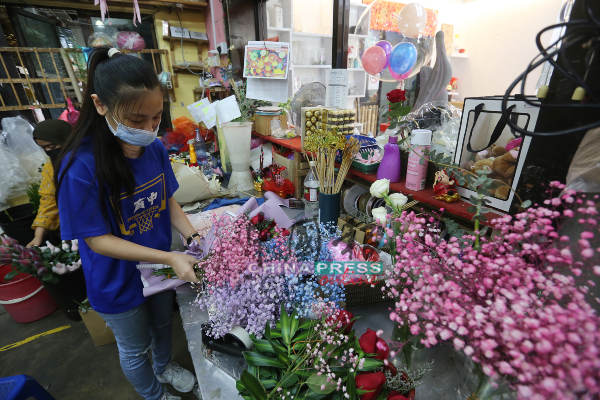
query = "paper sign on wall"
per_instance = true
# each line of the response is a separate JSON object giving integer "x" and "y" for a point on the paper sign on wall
{"x": 266, "y": 60}
{"x": 337, "y": 88}
{"x": 275, "y": 90}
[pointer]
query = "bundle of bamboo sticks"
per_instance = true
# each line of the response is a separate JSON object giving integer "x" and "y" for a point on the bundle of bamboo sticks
{"x": 321, "y": 148}
{"x": 368, "y": 116}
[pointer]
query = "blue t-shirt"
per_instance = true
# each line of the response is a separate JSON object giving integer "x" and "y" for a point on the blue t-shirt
{"x": 113, "y": 285}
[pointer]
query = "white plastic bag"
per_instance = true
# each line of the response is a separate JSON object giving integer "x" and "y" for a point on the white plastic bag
{"x": 21, "y": 157}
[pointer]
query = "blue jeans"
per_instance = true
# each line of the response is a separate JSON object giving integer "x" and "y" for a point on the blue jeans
{"x": 143, "y": 328}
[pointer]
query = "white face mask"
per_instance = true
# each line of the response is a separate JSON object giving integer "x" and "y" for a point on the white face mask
{"x": 133, "y": 136}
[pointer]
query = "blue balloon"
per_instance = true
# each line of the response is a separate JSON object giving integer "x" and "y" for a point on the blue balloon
{"x": 403, "y": 58}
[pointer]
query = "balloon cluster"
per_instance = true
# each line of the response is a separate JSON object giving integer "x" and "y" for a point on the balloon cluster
{"x": 396, "y": 39}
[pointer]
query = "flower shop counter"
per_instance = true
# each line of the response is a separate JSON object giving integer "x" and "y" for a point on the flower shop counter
{"x": 448, "y": 379}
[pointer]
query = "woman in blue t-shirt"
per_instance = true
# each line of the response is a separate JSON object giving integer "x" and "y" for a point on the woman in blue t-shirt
{"x": 115, "y": 194}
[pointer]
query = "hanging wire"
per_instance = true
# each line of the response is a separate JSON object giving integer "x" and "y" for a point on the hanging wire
{"x": 585, "y": 33}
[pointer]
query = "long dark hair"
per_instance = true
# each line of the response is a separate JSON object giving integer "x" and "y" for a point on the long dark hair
{"x": 119, "y": 81}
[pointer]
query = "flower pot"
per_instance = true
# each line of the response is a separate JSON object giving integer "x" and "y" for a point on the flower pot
{"x": 68, "y": 292}
{"x": 19, "y": 227}
{"x": 329, "y": 207}
{"x": 237, "y": 137}
{"x": 24, "y": 298}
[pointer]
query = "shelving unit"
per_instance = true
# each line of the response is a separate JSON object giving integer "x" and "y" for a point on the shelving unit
{"x": 181, "y": 69}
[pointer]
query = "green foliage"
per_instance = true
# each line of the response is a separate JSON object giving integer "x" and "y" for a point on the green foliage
{"x": 33, "y": 192}
{"x": 395, "y": 112}
{"x": 282, "y": 360}
{"x": 247, "y": 106}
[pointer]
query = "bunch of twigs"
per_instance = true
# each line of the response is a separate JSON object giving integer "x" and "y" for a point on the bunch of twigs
{"x": 322, "y": 147}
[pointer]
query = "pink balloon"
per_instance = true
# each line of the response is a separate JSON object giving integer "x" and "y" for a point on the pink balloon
{"x": 398, "y": 77}
{"x": 374, "y": 60}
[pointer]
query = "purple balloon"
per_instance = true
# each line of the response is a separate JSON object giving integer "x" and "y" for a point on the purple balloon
{"x": 387, "y": 47}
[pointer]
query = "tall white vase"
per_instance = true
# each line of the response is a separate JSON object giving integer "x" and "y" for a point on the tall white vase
{"x": 237, "y": 137}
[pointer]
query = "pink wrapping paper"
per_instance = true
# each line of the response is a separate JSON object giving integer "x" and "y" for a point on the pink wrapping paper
{"x": 154, "y": 284}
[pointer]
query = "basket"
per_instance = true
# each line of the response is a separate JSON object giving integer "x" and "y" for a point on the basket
{"x": 366, "y": 143}
{"x": 366, "y": 168}
{"x": 365, "y": 294}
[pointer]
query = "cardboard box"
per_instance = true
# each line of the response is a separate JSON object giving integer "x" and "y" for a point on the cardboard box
{"x": 100, "y": 332}
{"x": 353, "y": 229}
{"x": 290, "y": 165}
{"x": 262, "y": 123}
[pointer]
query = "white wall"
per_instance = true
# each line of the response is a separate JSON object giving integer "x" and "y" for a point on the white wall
{"x": 499, "y": 37}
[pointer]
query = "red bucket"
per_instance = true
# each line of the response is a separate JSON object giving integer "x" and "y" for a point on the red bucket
{"x": 24, "y": 297}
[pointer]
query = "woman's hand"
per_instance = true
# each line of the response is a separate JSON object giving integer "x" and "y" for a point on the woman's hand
{"x": 35, "y": 242}
{"x": 40, "y": 233}
{"x": 183, "y": 265}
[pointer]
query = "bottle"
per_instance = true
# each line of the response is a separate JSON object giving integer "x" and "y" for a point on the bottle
{"x": 416, "y": 173}
{"x": 193, "y": 159}
{"x": 311, "y": 185}
{"x": 200, "y": 147}
{"x": 390, "y": 165}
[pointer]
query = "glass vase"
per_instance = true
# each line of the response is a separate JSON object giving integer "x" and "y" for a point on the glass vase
{"x": 299, "y": 53}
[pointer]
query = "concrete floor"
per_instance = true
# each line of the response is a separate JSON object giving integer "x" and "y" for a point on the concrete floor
{"x": 68, "y": 363}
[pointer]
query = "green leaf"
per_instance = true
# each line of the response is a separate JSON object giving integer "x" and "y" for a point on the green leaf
{"x": 259, "y": 360}
{"x": 240, "y": 387}
{"x": 483, "y": 218}
{"x": 47, "y": 253}
{"x": 526, "y": 204}
{"x": 294, "y": 322}
{"x": 279, "y": 352}
{"x": 351, "y": 386}
{"x": 47, "y": 277}
{"x": 472, "y": 209}
{"x": 285, "y": 326}
{"x": 263, "y": 346}
{"x": 371, "y": 364}
{"x": 303, "y": 335}
{"x": 11, "y": 275}
{"x": 253, "y": 386}
{"x": 473, "y": 199}
{"x": 288, "y": 380}
{"x": 268, "y": 383}
{"x": 315, "y": 382}
{"x": 275, "y": 334}
{"x": 482, "y": 231}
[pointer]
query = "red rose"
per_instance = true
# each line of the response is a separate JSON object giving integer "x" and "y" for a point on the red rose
{"x": 396, "y": 395}
{"x": 371, "y": 381}
{"x": 272, "y": 225}
{"x": 396, "y": 96}
{"x": 370, "y": 343}
{"x": 257, "y": 219}
{"x": 285, "y": 232}
{"x": 391, "y": 368}
{"x": 264, "y": 235}
{"x": 343, "y": 317}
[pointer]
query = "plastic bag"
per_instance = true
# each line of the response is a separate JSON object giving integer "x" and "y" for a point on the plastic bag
{"x": 584, "y": 171}
{"x": 186, "y": 126}
{"x": 70, "y": 115}
{"x": 100, "y": 39}
{"x": 20, "y": 158}
{"x": 440, "y": 117}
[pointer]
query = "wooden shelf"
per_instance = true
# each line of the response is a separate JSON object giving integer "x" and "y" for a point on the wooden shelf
{"x": 185, "y": 40}
{"x": 179, "y": 68}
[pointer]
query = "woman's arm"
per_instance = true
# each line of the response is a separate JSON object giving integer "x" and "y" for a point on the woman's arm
{"x": 114, "y": 247}
{"x": 179, "y": 220}
{"x": 38, "y": 239}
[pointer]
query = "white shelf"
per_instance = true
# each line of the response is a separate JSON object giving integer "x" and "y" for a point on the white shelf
{"x": 352, "y": 35}
{"x": 358, "y": 5}
{"x": 459, "y": 55}
{"x": 312, "y": 34}
{"x": 355, "y": 95}
{"x": 311, "y": 66}
{"x": 355, "y": 69}
{"x": 272, "y": 28}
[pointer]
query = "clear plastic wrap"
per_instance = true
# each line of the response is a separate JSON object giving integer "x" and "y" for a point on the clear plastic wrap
{"x": 17, "y": 143}
{"x": 584, "y": 171}
{"x": 100, "y": 39}
{"x": 440, "y": 117}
